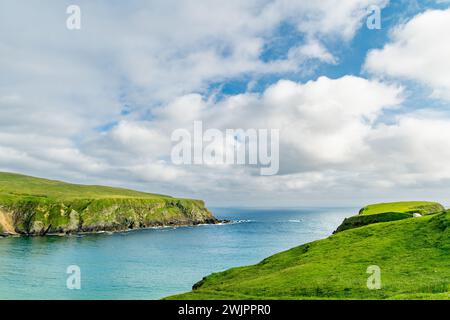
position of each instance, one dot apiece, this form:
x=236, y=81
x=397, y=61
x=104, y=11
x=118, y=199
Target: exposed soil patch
x=6, y=223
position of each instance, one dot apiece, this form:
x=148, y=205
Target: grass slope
x=422, y=207
x=35, y=206
x=385, y=212
x=16, y=185
x=413, y=254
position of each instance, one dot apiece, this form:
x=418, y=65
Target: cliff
x=34, y=206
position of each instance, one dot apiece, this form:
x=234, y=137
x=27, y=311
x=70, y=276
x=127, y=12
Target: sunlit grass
x=413, y=254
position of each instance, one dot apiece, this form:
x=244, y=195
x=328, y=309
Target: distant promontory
x=37, y=207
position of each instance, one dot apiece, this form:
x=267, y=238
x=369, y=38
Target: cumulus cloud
x=321, y=122
x=419, y=50
x=99, y=105
x=324, y=126
x=331, y=138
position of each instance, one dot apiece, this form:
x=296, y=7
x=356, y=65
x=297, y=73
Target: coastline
x=162, y=261
x=366, y=243
x=156, y=226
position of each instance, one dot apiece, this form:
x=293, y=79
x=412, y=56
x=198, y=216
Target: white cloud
x=324, y=126
x=330, y=140
x=415, y=149
x=419, y=50
x=311, y=50
x=62, y=95
x=326, y=121
x=144, y=54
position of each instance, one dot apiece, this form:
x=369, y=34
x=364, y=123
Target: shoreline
x=106, y=231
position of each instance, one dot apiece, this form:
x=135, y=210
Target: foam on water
x=153, y=263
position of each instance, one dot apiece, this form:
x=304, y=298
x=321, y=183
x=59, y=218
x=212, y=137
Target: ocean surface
x=154, y=263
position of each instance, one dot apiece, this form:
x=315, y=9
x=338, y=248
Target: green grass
x=35, y=206
x=385, y=212
x=413, y=254
x=422, y=207
x=16, y=185
x=364, y=220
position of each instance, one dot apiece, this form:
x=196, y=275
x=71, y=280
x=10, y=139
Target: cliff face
x=57, y=211
x=34, y=217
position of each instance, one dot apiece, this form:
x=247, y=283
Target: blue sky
x=351, y=56
x=362, y=114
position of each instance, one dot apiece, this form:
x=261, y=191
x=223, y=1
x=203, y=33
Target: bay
x=154, y=263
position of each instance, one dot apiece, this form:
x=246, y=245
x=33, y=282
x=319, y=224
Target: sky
x=363, y=114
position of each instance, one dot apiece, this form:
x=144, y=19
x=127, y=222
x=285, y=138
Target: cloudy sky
x=364, y=114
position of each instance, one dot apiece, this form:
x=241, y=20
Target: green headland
x=35, y=206
x=408, y=241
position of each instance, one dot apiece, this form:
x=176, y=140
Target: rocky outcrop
x=40, y=217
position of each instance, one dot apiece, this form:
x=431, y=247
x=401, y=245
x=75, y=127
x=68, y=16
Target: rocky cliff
x=33, y=206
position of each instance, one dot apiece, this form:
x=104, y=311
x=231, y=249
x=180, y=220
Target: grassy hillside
x=421, y=207
x=35, y=206
x=413, y=255
x=16, y=185
x=393, y=211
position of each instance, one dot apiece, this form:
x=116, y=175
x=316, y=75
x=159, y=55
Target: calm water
x=151, y=264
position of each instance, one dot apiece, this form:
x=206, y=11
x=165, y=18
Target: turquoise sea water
x=151, y=264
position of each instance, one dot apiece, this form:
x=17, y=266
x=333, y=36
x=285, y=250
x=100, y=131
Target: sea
x=154, y=263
